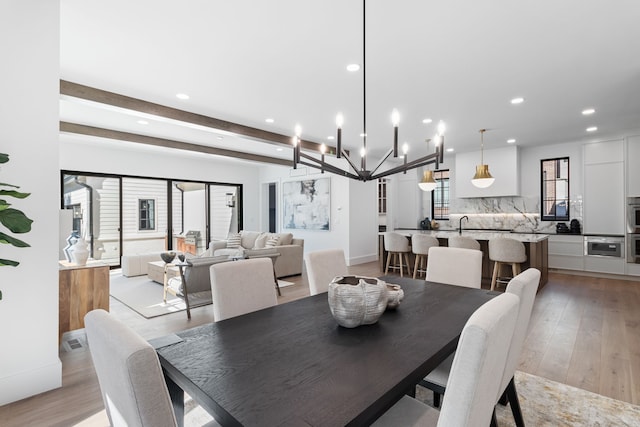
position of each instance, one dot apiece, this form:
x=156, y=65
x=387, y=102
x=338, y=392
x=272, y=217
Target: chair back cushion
x=479, y=362
x=420, y=243
x=130, y=376
x=455, y=266
x=322, y=267
x=504, y=249
x=463, y=242
x=525, y=286
x=243, y=286
x=395, y=242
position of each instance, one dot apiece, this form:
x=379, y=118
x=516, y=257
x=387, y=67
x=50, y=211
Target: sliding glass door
x=120, y=215
x=93, y=205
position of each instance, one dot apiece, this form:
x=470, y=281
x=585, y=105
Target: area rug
x=548, y=403
x=144, y=296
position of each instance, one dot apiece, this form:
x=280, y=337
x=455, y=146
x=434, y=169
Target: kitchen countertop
x=479, y=234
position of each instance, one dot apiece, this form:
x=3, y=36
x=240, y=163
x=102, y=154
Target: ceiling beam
x=166, y=143
x=110, y=98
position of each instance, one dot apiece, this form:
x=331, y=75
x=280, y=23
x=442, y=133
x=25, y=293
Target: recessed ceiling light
x=511, y=141
x=353, y=67
x=518, y=100
x=331, y=137
x=279, y=149
x=220, y=137
x=143, y=122
x=450, y=150
x=592, y=129
x=588, y=111
x=269, y=120
x=427, y=121
x=182, y=96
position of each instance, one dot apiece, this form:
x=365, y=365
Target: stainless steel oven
x=633, y=248
x=633, y=215
x=604, y=246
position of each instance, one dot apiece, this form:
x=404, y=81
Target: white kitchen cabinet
x=566, y=251
x=604, y=264
x=503, y=166
x=633, y=172
x=604, y=199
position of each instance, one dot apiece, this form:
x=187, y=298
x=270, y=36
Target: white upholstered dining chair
x=129, y=372
x=240, y=287
x=525, y=287
x=475, y=375
x=322, y=267
x=455, y=266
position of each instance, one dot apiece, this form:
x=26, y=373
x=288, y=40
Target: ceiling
x=457, y=61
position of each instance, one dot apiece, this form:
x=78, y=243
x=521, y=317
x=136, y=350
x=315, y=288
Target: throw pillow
x=286, y=238
x=233, y=241
x=261, y=241
x=272, y=242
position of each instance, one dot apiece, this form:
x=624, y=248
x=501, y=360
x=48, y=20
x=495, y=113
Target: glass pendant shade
x=427, y=183
x=482, y=178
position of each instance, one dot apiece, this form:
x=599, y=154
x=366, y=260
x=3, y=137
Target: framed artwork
x=307, y=204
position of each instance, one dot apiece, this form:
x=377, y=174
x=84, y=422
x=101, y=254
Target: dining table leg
x=177, y=400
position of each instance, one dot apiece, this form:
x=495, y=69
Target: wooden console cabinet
x=82, y=289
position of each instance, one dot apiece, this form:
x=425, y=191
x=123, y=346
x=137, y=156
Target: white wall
x=530, y=167
x=352, y=203
x=29, y=42
x=98, y=155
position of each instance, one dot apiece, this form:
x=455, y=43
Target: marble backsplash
x=520, y=214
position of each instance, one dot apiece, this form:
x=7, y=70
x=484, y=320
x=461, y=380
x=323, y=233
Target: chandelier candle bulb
x=294, y=142
x=339, y=123
x=405, y=149
x=323, y=149
x=395, y=119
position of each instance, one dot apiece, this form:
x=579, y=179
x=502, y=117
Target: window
x=382, y=196
x=440, y=199
x=147, y=210
x=554, y=174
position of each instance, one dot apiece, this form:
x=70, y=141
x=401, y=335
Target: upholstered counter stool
x=504, y=251
x=463, y=242
x=420, y=244
x=397, y=246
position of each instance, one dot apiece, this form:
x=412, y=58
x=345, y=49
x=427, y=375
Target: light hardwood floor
x=584, y=332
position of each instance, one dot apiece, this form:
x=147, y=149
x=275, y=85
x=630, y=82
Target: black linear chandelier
x=362, y=173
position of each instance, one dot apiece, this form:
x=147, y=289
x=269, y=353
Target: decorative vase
x=357, y=300
x=71, y=240
x=79, y=252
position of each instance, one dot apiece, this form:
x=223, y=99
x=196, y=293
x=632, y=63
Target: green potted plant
x=12, y=219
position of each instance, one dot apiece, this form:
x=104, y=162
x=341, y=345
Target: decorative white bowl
x=357, y=300
x=395, y=294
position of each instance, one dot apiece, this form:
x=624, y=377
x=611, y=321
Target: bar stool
x=396, y=246
x=505, y=251
x=463, y=242
x=420, y=244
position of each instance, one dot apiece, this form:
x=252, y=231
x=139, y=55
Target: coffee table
x=155, y=271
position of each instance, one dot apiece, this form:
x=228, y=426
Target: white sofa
x=254, y=243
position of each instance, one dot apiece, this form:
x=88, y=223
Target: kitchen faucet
x=460, y=228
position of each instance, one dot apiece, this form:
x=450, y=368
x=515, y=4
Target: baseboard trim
x=363, y=259
x=595, y=274
x=29, y=383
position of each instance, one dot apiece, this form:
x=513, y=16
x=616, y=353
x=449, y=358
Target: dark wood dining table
x=292, y=365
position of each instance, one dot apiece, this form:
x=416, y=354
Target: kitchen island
x=536, y=246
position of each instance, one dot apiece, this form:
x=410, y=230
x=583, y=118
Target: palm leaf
x=8, y=262
x=13, y=241
x=15, y=220
x=15, y=194
x=4, y=158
